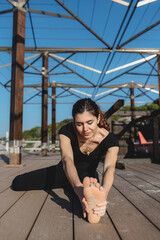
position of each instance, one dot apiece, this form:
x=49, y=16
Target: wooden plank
x=55, y=219
x=13, y=172
x=8, y=172
x=144, y=171
x=155, y=166
x=149, y=167
x=18, y=221
x=145, y=204
x=87, y=231
x=31, y=166
x=142, y=185
x=145, y=177
x=8, y=199
x=153, y=172
x=5, y=184
x=8, y=176
x=129, y=222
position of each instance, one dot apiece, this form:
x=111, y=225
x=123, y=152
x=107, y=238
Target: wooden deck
x=133, y=210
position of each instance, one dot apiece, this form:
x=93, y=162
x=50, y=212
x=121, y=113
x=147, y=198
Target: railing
x=35, y=146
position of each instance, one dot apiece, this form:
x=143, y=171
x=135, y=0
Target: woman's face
x=86, y=124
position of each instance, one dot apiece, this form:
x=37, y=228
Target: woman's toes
x=101, y=189
x=97, y=185
x=86, y=182
x=95, y=181
x=91, y=181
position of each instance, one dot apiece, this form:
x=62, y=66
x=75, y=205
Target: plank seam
x=114, y=226
x=4, y=190
x=142, y=172
x=137, y=187
x=150, y=169
x=146, y=181
x=136, y=208
x=12, y=205
x=134, y=205
x=37, y=216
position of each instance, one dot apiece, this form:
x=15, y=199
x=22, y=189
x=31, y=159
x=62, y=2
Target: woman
x=82, y=143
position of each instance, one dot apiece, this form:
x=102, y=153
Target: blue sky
x=105, y=18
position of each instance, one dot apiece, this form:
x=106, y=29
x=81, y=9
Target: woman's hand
x=79, y=191
x=100, y=209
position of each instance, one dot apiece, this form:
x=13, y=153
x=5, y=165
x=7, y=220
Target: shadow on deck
x=133, y=210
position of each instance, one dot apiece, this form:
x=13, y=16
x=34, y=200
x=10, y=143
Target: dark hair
x=86, y=104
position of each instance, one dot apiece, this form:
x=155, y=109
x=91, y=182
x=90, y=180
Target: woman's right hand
x=79, y=191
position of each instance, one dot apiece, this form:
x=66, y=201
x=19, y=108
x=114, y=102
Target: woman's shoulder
x=67, y=130
x=110, y=140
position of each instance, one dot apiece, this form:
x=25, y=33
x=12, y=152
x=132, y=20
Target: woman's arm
x=71, y=171
x=108, y=177
x=109, y=169
x=68, y=161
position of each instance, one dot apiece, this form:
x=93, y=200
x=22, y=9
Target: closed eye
x=78, y=124
x=90, y=122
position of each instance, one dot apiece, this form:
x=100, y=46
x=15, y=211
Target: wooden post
x=44, y=129
x=17, y=79
x=132, y=103
x=156, y=157
x=158, y=60
x=53, y=117
x=132, y=133
x=116, y=106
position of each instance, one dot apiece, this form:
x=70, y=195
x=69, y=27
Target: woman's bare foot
x=94, y=194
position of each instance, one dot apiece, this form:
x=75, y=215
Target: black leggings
x=46, y=178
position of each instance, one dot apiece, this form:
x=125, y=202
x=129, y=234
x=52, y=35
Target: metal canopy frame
x=72, y=89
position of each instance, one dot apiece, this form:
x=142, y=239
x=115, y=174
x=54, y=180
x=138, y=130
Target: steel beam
x=83, y=24
x=117, y=86
x=6, y=11
x=17, y=78
x=56, y=50
x=141, y=33
x=48, y=13
x=139, y=50
x=83, y=50
x=72, y=70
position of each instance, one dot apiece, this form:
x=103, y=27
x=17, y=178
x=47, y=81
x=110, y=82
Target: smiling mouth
x=86, y=134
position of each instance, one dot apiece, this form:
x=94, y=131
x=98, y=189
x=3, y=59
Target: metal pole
x=44, y=129
x=53, y=118
x=17, y=78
